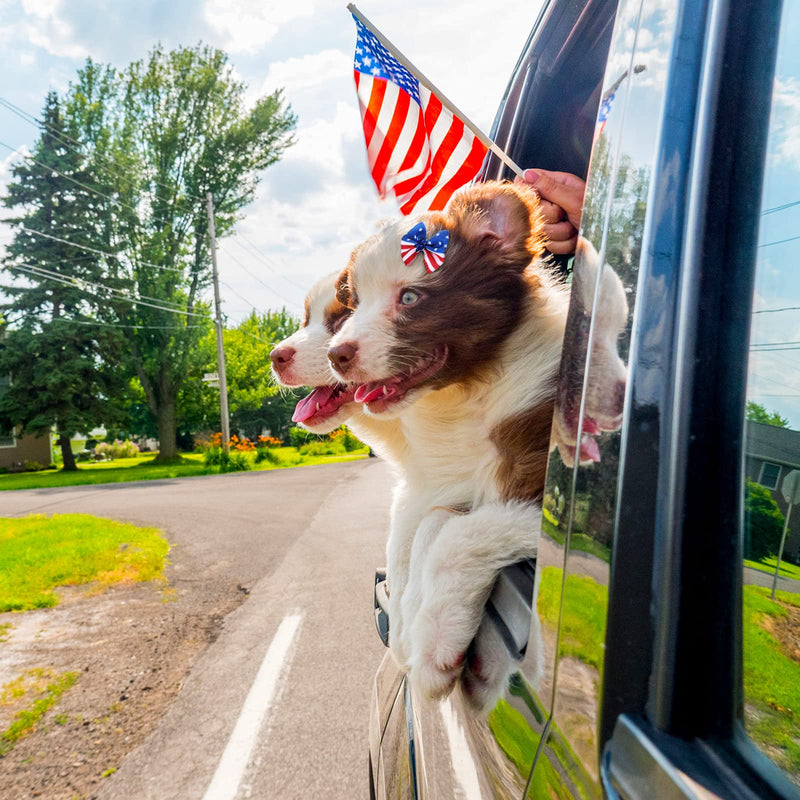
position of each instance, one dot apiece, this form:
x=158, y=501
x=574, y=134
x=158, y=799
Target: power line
x=780, y=208
x=266, y=261
x=771, y=344
x=780, y=241
x=266, y=285
x=95, y=250
x=87, y=286
x=121, y=325
x=48, y=273
x=776, y=310
x=67, y=177
x=33, y=120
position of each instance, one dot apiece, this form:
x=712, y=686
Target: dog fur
x=486, y=339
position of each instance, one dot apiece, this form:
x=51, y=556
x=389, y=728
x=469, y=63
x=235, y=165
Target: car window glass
x=580, y=492
x=771, y=597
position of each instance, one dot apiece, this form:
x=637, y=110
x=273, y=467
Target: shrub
x=212, y=456
x=116, y=449
x=763, y=522
x=267, y=454
x=299, y=436
x=331, y=447
x=348, y=438
x=237, y=461
x=34, y=466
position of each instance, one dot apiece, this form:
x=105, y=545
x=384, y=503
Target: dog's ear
x=345, y=295
x=503, y=216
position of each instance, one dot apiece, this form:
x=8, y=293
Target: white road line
x=464, y=768
x=230, y=770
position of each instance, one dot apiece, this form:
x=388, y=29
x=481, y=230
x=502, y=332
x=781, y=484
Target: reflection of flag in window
x=602, y=117
x=417, y=148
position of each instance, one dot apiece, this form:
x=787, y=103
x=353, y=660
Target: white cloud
x=45, y=27
x=308, y=71
x=247, y=26
x=785, y=121
x=323, y=141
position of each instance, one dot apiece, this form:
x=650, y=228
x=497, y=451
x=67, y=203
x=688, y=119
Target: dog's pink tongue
x=307, y=407
x=368, y=392
x=590, y=450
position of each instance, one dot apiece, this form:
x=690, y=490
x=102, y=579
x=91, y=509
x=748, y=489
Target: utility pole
x=223, y=382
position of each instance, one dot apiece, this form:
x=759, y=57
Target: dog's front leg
x=405, y=518
x=458, y=572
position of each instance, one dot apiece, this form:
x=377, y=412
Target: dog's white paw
x=439, y=638
x=487, y=668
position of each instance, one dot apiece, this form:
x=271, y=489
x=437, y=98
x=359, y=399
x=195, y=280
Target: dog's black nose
x=342, y=356
x=281, y=357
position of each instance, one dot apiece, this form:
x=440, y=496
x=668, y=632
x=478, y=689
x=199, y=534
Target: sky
x=315, y=205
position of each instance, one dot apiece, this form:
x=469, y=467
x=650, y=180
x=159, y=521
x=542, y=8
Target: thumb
x=559, y=188
x=547, y=187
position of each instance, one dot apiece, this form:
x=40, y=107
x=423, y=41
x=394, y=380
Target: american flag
x=602, y=116
x=417, y=148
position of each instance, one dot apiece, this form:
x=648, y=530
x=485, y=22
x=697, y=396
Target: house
x=771, y=453
x=16, y=450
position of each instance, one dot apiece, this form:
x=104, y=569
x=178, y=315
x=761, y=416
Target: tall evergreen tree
x=53, y=350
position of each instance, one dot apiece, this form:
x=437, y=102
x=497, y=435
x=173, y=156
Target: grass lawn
x=583, y=622
x=578, y=541
x=40, y=553
x=141, y=468
x=771, y=678
x=768, y=565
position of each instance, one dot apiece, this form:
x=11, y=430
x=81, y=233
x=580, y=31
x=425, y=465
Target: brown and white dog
x=466, y=358
x=456, y=371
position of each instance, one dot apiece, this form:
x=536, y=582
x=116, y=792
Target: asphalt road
x=304, y=543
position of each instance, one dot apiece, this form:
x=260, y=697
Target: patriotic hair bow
x=415, y=241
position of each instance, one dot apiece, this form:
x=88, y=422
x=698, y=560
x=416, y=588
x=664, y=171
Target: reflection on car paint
x=580, y=492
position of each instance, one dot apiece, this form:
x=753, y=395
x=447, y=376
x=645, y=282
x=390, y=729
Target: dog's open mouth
x=589, y=449
x=382, y=394
x=322, y=404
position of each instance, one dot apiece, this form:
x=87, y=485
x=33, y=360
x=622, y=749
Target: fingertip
x=531, y=176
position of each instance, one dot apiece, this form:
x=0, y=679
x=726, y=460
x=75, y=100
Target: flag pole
x=480, y=135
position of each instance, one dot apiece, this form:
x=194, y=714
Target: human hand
x=561, y=200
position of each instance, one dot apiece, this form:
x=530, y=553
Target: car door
x=675, y=703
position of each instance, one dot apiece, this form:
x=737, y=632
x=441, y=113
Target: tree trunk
x=66, y=453
x=166, y=420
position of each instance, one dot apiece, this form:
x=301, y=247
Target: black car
x=670, y=664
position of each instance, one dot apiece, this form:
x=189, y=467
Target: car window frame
x=673, y=697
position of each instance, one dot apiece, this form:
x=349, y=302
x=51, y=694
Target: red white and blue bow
x=415, y=241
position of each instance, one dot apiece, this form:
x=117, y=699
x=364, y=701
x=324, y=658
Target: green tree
x=763, y=522
x=255, y=402
x=757, y=413
x=170, y=129
x=55, y=349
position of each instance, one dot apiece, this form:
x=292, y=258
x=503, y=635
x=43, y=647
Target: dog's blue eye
x=408, y=298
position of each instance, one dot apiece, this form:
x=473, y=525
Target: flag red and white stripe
x=420, y=148
x=420, y=152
